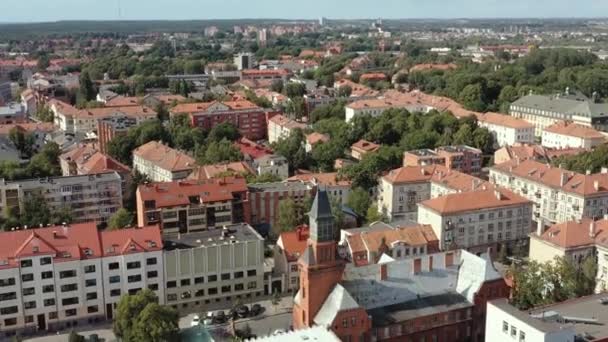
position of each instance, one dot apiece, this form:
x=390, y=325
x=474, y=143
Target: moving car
x=195, y=321
x=256, y=309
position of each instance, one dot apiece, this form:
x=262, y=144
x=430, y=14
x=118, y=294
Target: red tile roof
x=365, y=146
x=574, y=130
x=70, y=242
x=295, y=242
x=475, y=200
x=316, y=137
x=568, y=181
x=101, y=163
x=170, y=194
x=131, y=240
x=325, y=179
x=220, y=170
x=198, y=107
x=252, y=149
x=165, y=157
x=504, y=120
x=123, y=101
x=414, y=174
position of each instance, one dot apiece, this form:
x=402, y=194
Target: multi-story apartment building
x=267, y=74
x=189, y=206
x=382, y=242
x=507, y=130
x=81, y=121
x=244, y=60
x=52, y=278
x=477, y=220
x=337, y=189
x=543, y=111
x=162, y=163
x=375, y=107
x=565, y=134
x=94, y=197
x=248, y=118
x=558, y=195
x=265, y=199
x=215, y=266
x=401, y=189
x=85, y=160
x=110, y=127
x=460, y=158
x=280, y=127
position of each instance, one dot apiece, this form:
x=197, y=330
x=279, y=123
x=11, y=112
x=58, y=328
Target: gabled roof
x=220, y=170
x=574, y=130
x=413, y=174
x=574, y=234
x=473, y=272
x=338, y=300
x=131, y=240
x=474, y=200
x=324, y=179
x=165, y=157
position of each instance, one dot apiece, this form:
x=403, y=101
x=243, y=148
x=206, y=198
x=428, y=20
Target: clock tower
x=320, y=268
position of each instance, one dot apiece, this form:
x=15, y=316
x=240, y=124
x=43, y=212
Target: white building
x=506, y=129
x=558, y=195
x=375, y=107
x=566, y=134
x=477, y=220
x=214, y=266
x=54, y=277
x=162, y=163
x=244, y=60
x=273, y=164
x=505, y=323
x=336, y=188
x=280, y=127
x=94, y=197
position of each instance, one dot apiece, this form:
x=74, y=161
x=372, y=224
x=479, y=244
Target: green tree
x=373, y=215
x=44, y=113
x=294, y=90
x=345, y=91
x=223, y=131
x=293, y=149
x=289, y=217
x=139, y=317
x=24, y=142
x=218, y=152
x=325, y=154
x=277, y=86
x=87, y=90
x=43, y=62
x=121, y=219
x=359, y=201
x=471, y=97
x=263, y=178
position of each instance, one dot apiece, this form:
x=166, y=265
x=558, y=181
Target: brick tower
x=320, y=269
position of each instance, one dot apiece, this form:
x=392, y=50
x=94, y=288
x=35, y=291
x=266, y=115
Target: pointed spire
x=321, y=208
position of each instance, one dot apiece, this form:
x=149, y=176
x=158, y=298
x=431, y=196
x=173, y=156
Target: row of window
x=171, y=297
x=210, y=279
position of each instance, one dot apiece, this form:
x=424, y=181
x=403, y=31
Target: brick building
x=461, y=158
x=190, y=206
x=438, y=297
x=248, y=118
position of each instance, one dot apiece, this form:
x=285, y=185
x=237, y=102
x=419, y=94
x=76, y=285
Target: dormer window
x=151, y=244
x=132, y=246
x=88, y=252
x=35, y=249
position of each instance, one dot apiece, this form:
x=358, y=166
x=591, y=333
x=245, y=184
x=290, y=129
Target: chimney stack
x=540, y=227
x=592, y=229
x=563, y=178
x=383, y=272
x=604, y=170
x=587, y=172
x=498, y=195
x=596, y=185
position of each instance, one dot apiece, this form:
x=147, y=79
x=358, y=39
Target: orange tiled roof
x=574, y=130
x=170, y=194
x=475, y=200
x=413, y=174
x=214, y=170
x=411, y=235
x=317, y=137
x=123, y=101
x=459, y=181
x=433, y=66
x=327, y=179
x=165, y=157
x=295, y=242
x=568, y=181
x=504, y=120
x=286, y=122
x=574, y=233
x=198, y=107
x=365, y=146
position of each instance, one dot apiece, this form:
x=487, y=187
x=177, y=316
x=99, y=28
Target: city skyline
x=234, y=9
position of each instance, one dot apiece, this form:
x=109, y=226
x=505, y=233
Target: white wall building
x=506, y=129
x=570, y=135
x=280, y=127
x=477, y=220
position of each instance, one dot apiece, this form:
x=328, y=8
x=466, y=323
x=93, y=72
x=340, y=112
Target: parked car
x=219, y=317
x=208, y=318
x=242, y=311
x=195, y=321
x=256, y=309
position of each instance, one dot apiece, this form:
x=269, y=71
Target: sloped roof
x=475, y=200
x=321, y=207
x=574, y=234
x=473, y=272
x=164, y=156
x=574, y=130
x=338, y=300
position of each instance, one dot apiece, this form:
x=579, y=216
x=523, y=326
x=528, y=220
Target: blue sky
x=50, y=10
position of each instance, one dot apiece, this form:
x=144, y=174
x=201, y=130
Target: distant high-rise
x=322, y=21
x=263, y=36
x=244, y=60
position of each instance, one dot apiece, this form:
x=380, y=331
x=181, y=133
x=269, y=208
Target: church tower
x=320, y=269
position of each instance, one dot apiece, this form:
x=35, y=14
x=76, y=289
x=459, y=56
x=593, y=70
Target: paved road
x=273, y=318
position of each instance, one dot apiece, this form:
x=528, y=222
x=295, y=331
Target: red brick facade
x=250, y=123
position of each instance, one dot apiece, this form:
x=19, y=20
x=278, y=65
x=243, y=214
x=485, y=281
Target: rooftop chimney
x=587, y=172
x=383, y=272
x=596, y=185
x=498, y=195
x=563, y=178
x=592, y=229
x=540, y=227
x=604, y=170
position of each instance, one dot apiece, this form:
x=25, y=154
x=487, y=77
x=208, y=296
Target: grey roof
x=62, y=180
x=338, y=300
x=321, y=208
x=572, y=105
x=237, y=232
x=11, y=109
x=313, y=334
x=523, y=316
